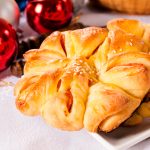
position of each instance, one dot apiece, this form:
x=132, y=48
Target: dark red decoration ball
x=47, y=15
x=8, y=44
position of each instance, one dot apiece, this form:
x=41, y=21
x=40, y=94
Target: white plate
x=124, y=137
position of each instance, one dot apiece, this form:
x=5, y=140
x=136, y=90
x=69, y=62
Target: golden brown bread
x=93, y=78
x=107, y=107
x=139, y=115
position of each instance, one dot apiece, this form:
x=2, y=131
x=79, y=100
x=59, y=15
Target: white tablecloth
x=19, y=132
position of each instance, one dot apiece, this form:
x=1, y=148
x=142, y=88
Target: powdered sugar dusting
x=81, y=66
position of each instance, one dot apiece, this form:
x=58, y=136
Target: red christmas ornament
x=47, y=15
x=8, y=44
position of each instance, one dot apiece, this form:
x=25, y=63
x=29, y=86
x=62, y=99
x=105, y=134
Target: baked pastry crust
x=93, y=78
x=128, y=6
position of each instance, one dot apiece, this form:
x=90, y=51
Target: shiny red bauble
x=8, y=44
x=48, y=15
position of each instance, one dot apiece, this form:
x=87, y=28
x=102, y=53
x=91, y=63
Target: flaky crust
x=93, y=78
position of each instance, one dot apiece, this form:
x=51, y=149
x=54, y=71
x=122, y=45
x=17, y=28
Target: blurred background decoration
x=8, y=44
x=22, y=4
x=47, y=15
x=9, y=10
x=77, y=5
